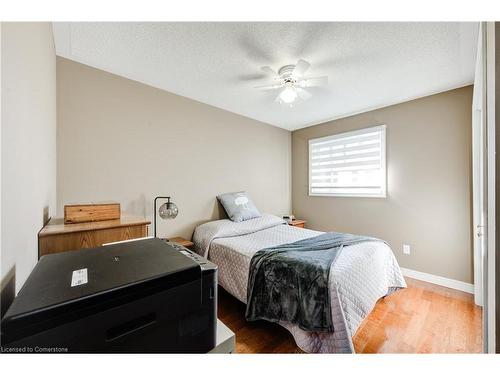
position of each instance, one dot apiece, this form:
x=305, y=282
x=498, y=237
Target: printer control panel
x=203, y=262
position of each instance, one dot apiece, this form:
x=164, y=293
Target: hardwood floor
x=424, y=318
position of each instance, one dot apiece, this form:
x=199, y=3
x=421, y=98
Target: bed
x=361, y=275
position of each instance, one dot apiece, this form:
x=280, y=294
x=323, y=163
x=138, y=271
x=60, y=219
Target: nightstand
x=297, y=223
x=182, y=241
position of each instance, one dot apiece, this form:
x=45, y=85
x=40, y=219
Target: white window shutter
x=349, y=164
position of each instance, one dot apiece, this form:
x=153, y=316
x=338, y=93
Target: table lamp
x=167, y=210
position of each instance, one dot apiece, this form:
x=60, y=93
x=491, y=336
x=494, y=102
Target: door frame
x=479, y=172
x=489, y=311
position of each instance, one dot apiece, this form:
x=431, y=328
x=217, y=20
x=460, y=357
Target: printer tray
x=165, y=322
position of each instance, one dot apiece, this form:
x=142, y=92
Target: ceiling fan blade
x=268, y=70
x=300, y=68
x=269, y=86
x=314, y=81
x=303, y=94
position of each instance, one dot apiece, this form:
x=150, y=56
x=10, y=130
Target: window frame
x=383, y=152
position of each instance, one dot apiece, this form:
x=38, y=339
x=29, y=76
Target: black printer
x=144, y=296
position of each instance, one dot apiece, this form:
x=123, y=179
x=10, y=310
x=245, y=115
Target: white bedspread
x=361, y=275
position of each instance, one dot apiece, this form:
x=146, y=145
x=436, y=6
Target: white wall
x=28, y=143
x=1, y=127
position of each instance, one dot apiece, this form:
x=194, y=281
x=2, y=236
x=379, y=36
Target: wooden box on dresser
x=56, y=237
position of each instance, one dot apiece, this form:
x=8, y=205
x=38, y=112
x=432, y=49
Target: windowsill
x=348, y=195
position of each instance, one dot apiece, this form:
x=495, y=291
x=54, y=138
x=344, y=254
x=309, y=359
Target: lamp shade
x=168, y=210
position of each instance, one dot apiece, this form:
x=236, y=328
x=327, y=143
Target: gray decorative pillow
x=238, y=206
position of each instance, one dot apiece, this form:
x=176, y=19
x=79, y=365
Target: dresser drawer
x=56, y=237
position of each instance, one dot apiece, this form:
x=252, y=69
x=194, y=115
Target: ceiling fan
x=292, y=82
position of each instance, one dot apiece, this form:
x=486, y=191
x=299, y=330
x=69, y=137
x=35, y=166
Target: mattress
x=361, y=275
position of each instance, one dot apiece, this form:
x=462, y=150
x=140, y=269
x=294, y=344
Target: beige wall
x=121, y=140
x=28, y=143
x=125, y=141
x=429, y=184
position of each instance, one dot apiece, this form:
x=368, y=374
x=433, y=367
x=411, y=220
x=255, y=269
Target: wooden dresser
x=56, y=237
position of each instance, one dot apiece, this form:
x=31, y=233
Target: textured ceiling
x=369, y=65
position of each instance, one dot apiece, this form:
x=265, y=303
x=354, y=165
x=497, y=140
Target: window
x=350, y=164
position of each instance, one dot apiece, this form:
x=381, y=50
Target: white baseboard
x=439, y=280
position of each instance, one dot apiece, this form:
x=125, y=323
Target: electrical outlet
x=406, y=249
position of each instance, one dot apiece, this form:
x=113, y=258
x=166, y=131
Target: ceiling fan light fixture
x=288, y=95
x=291, y=81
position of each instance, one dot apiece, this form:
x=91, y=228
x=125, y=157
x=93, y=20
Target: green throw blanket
x=289, y=283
